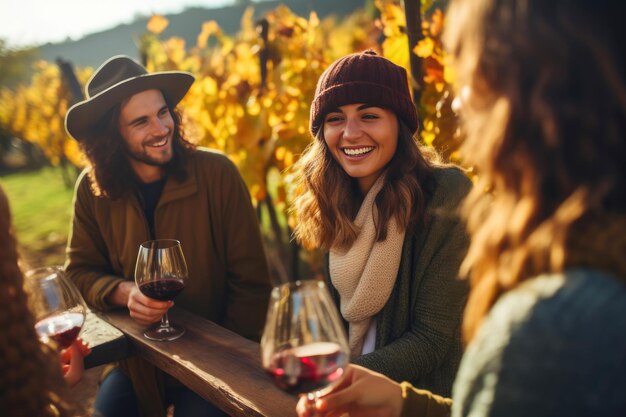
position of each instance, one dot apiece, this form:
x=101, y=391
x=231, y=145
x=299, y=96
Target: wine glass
x=56, y=304
x=161, y=273
x=304, y=347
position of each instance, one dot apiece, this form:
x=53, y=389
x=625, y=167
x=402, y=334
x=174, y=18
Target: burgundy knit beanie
x=367, y=78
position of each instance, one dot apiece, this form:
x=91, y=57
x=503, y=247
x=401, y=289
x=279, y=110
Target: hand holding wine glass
x=72, y=364
x=160, y=274
x=360, y=392
x=57, y=306
x=304, y=347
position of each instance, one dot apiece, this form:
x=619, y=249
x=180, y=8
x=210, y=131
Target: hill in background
x=95, y=48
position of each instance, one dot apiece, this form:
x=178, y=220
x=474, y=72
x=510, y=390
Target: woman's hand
x=361, y=393
x=72, y=361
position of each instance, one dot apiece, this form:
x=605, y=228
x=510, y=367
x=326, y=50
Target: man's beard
x=146, y=159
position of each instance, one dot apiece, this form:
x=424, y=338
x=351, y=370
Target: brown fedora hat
x=117, y=79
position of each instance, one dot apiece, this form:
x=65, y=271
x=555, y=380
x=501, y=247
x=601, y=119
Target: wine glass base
x=162, y=334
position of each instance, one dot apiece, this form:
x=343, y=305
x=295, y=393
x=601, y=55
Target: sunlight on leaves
x=157, y=24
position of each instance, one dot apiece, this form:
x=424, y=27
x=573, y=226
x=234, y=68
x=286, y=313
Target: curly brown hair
x=110, y=169
x=545, y=122
x=327, y=199
x=30, y=377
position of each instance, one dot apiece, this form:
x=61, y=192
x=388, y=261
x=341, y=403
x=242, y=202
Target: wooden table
x=107, y=343
x=219, y=365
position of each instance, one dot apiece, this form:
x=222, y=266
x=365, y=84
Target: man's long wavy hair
x=545, y=122
x=30, y=373
x=327, y=199
x=110, y=171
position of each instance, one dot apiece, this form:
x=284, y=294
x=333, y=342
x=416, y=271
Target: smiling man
x=145, y=181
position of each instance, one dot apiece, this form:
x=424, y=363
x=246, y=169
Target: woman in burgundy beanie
x=385, y=209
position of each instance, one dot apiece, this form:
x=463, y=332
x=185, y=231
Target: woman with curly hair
x=543, y=95
x=31, y=383
x=384, y=208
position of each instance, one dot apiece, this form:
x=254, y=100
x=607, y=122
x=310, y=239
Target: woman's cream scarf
x=365, y=273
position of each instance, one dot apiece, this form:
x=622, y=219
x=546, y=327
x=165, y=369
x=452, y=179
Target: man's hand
x=146, y=310
x=119, y=296
x=143, y=309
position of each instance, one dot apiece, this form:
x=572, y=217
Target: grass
x=41, y=205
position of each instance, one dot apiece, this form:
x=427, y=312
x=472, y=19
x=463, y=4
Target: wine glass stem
x=165, y=322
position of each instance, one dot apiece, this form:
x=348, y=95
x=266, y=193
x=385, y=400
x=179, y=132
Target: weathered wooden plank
x=221, y=366
x=107, y=343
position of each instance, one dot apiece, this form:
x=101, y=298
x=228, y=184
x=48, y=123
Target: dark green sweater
x=418, y=330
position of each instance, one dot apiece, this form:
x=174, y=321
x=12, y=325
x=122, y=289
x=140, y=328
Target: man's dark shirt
x=149, y=195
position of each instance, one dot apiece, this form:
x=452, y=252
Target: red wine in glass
x=307, y=368
x=304, y=347
x=164, y=289
x=56, y=304
x=161, y=273
x=62, y=328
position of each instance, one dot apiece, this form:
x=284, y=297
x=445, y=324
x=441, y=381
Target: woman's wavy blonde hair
x=544, y=100
x=327, y=199
x=30, y=377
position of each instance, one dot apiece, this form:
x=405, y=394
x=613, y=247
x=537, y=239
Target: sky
x=35, y=22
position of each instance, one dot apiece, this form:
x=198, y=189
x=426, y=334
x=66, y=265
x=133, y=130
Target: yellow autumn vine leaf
x=210, y=28
x=157, y=24
x=396, y=49
x=424, y=48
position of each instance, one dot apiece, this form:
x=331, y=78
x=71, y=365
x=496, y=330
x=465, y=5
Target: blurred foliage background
x=250, y=100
